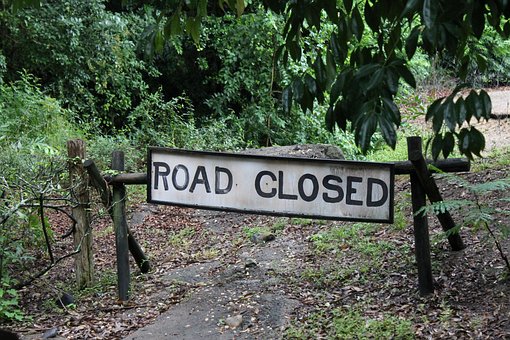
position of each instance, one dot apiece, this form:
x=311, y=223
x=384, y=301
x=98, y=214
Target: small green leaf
x=432, y=109
x=392, y=108
x=450, y=114
x=365, y=129
x=294, y=49
x=375, y=79
x=297, y=89
x=159, y=41
x=477, y=141
x=240, y=6
x=340, y=115
x=438, y=119
x=461, y=113
x=193, y=26
x=330, y=119
x=411, y=6
x=372, y=17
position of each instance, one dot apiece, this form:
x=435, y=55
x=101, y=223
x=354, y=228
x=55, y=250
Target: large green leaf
x=357, y=24
x=412, y=42
x=366, y=126
x=388, y=131
x=406, y=74
x=486, y=104
x=448, y=144
x=430, y=11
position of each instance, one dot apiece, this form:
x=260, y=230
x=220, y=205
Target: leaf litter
x=376, y=279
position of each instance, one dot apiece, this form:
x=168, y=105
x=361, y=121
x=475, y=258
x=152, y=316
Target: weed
x=251, y=232
x=182, y=239
x=279, y=225
x=350, y=324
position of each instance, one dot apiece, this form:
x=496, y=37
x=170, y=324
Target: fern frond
x=478, y=219
x=444, y=206
x=498, y=185
x=453, y=178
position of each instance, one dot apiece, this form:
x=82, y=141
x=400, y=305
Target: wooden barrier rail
x=422, y=186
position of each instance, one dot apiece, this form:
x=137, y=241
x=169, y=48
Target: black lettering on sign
x=158, y=173
x=370, y=189
x=351, y=190
x=200, y=178
x=217, y=189
x=258, y=179
x=327, y=183
x=186, y=177
x=315, y=187
x=281, y=194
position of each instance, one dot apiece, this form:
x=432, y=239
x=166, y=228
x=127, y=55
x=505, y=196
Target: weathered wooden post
x=121, y=229
x=421, y=228
x=82, y=235
x=97, y=181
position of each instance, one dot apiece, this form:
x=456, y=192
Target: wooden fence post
x=82, y=235
x=121, y=229
x=421, y=229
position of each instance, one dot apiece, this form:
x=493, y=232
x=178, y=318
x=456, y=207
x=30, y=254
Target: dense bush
x=28, y=117
x=495, y=51
x=83, y=55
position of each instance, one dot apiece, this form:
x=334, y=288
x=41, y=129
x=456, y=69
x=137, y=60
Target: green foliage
x=351, y=324
x=83, y=54
x=9, y=301
x=494, y=54
x=27, y=116
x=357, y=237
x=3, y=67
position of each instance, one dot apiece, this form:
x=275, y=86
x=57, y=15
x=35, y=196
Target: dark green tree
x=359, y=80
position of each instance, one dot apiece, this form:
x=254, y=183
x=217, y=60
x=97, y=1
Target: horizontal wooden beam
x=132, y=178
x=445, y=165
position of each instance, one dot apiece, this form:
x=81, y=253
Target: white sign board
x=315, y=188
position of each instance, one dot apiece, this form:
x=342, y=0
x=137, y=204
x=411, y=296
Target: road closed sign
x=299, y=187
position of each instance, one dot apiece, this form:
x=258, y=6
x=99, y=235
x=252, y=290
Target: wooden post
x=431, y=190
x=121, y=229
x=98, y=182
x=82, y=234
x=421, y=229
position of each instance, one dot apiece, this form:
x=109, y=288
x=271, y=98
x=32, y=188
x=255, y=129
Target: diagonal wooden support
x=429, y=185
x=98, y=182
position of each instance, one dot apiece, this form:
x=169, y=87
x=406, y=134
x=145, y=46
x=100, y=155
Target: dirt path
x=238, y=300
